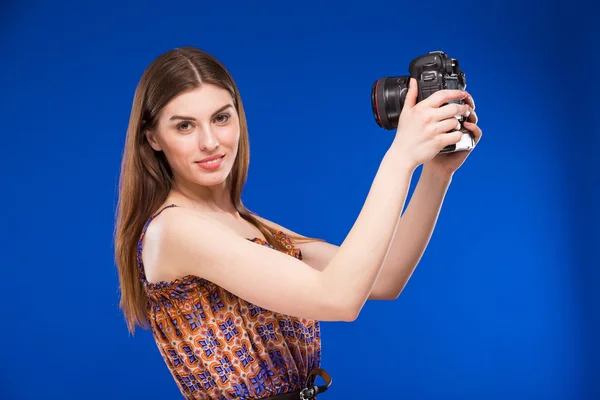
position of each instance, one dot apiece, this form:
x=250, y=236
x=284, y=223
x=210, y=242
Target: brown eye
x=184, y=126
x=222, y=118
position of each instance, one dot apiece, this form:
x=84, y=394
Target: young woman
x=234, y=300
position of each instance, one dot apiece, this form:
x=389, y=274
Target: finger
x=412, y=94
x=474, y=129
x=469, y=100
x=473, y=117
x=443, y=96
x=446, y=139
x=451, y=110
x=447, y=125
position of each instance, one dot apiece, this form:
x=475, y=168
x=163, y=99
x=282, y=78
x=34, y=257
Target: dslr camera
x=433, y=71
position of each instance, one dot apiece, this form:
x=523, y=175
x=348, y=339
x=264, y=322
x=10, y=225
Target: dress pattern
x=219, y=346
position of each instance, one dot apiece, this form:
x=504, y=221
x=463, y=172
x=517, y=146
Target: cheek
x=233, y=136
x=179, y=152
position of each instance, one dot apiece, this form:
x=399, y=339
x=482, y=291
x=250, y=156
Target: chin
x=211, y=182
x=217, y=178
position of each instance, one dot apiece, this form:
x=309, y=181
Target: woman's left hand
x=445, y=164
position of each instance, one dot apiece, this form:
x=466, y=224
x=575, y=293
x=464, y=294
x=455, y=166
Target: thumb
x=412, y=94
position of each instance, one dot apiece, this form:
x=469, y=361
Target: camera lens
x=387, y=100
x=376, y=103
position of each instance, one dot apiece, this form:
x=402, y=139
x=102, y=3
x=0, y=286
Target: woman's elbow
x=338, y=311
x=348, y=311
x=351, y=315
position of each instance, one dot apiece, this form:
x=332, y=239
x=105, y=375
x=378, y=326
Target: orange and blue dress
x=219, y=346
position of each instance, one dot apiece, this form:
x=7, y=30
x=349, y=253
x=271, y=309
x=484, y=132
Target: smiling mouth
x=211, y=160
x=211, y=163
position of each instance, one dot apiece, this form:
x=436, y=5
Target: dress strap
x=140, y=264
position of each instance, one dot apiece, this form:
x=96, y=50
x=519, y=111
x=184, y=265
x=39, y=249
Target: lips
x=212, y=163
x=211, y=158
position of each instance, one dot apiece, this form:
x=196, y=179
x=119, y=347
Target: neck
x=204, y=198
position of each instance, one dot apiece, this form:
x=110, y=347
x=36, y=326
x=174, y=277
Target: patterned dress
x=219, y=346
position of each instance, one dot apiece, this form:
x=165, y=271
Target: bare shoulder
x=157, y=245
x=317, y=254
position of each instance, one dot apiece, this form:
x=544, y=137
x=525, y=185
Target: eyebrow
x=225, y=107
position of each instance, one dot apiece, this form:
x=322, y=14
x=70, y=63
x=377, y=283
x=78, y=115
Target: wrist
x=400, y=160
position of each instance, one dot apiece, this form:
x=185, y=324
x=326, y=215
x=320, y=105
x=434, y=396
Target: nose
x=209, y=141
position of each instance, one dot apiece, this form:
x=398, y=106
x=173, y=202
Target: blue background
x=504, y=303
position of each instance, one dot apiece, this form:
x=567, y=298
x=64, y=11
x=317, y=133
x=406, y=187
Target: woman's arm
x=415, y=228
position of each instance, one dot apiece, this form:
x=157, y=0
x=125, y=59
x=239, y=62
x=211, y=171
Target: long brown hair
x=146, y=178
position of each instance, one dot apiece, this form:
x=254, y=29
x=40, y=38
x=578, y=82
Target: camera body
x=433, y=71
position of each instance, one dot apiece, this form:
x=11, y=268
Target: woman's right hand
x=423, y=127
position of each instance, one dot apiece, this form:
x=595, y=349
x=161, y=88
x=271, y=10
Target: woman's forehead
x=200, y=102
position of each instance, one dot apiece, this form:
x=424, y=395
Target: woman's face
x=199, y=132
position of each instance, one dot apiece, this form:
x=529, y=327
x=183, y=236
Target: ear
x=152, y=140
